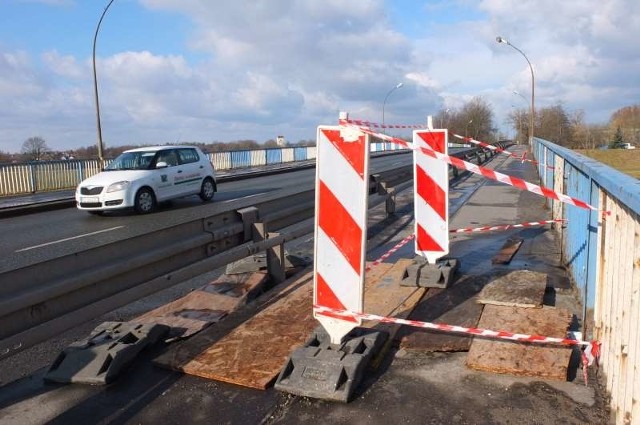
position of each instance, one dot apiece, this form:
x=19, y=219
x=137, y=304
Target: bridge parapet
x=601, y=249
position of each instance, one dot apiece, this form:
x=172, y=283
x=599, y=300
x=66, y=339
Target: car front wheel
x=207, y=190
x=145, y=201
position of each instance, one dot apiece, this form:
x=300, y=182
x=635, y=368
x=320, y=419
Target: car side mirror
x=162, y=164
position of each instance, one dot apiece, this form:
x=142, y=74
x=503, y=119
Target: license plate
x=90, y=199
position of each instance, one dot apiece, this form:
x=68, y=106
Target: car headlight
x=118, y=186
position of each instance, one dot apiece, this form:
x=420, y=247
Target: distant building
x=281, y=142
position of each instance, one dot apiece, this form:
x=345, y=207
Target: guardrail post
x=275, y=255
x=249, y=216
x=390, y=201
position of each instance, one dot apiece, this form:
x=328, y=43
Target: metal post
x=532, y=117
x=95, y=87
x=397, y=86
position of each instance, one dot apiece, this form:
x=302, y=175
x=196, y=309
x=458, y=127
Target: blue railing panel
x=240, y=159
x=577, y=185
x=300, y=154
x=274, y=156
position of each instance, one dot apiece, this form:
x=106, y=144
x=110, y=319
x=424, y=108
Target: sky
x=204, y=71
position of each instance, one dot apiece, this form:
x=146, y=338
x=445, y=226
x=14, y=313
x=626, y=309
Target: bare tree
x=552, y=123
x=34, y=148
x=519, y=119
x=628, y=120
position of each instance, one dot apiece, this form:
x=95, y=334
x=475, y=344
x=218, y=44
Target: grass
x=624, y=160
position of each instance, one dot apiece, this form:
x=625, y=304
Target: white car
x=140, y=178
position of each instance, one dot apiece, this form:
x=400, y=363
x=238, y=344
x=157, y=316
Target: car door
x=165, y=178
x=191, y=172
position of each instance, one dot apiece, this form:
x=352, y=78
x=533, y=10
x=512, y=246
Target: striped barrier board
x=431, y=188
x=342, y=190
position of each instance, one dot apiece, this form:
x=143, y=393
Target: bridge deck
x=411, y=386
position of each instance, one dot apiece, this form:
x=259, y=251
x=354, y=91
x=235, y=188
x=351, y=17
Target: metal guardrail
x=602, y=253
x=44, y=299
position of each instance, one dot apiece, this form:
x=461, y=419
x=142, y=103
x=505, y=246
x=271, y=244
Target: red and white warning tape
x=506, y=226
x=453, y=328
x=486, y=172
x=522, y=158
x=465, y=230
x=391, y=251
x=589, y=355
x=362, y=123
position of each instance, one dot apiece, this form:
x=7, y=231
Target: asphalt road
x=34, y=238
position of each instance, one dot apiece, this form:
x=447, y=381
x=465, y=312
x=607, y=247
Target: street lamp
x=95, y=86
x=523, y=98
x=531, y=118
x=466, y=128
x=397, y=86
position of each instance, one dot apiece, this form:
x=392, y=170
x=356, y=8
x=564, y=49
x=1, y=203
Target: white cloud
x=258, y=69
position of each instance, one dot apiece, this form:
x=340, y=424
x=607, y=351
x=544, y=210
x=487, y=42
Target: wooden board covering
x=519, y=288
x=507, y=252
x=546, y=361
x=455, y=305
x=252, y=354
x=205, y=305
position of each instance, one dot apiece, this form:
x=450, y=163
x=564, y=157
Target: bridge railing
x=602, y=253
x=42, y=176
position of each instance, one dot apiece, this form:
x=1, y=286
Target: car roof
x=158, y=148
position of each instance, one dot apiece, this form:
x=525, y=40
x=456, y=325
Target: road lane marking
x=69, y=239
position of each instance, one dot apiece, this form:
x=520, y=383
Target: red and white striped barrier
x=589, y=355
x=342, y=190
x=431, y=189
x=488, y=173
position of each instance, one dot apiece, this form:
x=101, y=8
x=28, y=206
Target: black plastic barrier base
x=425, y=275
x=328, y=371
x=100, y=358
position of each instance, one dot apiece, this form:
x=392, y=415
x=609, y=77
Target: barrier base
x=425, y=275
x=328, y=371
x=110, y=348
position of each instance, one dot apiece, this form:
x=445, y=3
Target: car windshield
x=139, y=160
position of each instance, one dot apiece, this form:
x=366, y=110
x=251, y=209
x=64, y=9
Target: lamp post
x=466, y=129
x=531, y=118
x=525, y=102
x=397, y=86
x=444, y=114
x=95, y=86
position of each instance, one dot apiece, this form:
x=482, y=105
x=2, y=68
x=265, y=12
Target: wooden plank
x=251, y=354
x=519, y=288
x=385, y=297
x=507, y=252
x=206, y=305
x=548, y=361
x=383, y=292
x=455, y=305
